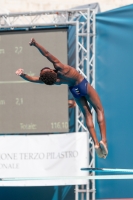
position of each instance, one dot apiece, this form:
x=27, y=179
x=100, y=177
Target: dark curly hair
x=48, y=77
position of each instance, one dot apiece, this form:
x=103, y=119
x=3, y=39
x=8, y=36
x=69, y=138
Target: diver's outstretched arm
x=57, y=64
x=20, y=72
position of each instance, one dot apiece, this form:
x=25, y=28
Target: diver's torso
x=68, y=75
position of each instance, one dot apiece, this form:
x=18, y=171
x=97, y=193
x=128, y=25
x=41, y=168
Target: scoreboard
x=30, y=107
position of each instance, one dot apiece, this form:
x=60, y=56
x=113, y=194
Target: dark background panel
x=37, y=193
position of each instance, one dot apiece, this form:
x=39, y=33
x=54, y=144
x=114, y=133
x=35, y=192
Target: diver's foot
x=104, y=148
x=99, y=152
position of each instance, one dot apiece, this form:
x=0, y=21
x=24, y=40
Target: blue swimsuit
x=80, y=89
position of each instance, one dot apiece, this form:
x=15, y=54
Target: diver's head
x=48, y=76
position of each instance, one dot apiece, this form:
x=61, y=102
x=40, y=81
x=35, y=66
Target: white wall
x=40, y=5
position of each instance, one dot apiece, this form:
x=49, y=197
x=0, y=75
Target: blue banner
x=114, y=84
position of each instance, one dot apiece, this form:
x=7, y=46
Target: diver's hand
x=32, y=42
x=71, y=103
x=20, y=72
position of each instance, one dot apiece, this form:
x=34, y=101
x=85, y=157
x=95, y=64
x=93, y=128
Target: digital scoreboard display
x=30, y=107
